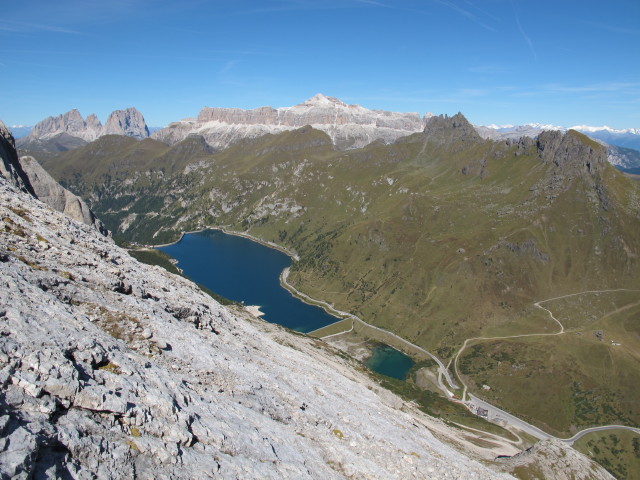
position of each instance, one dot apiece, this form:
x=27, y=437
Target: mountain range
x=348, y=126
x=628, y=138
x=115, y=369
x=446, y=239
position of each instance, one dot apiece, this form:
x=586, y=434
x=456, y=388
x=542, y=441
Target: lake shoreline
x=266, y=243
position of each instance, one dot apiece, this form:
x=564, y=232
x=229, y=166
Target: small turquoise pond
x=388, y=361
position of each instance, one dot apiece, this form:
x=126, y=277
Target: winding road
x=442, y=370
x=495, y=414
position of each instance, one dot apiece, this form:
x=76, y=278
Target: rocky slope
x=10, y=167
x=551, y=459
x=349, y=126
x=69, y=130
x=26, y=174
x=113, y=369
x=47, y=190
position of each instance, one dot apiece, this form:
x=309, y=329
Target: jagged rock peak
x=49, y=191
x=572, y=150
x=444, y=129
x=71, y=123
x=10, y=167
x=93, y=122
x=129, y=122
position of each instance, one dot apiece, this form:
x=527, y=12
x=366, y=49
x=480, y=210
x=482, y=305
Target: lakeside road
x=494, y=414
x=442, y=370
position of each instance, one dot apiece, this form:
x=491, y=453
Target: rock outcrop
x=445, y=130
x=70, y=123
x=113, y=369
x=612, y=140
x=553, y=459
x=349, y=126
x=70, y=130
x=10, y=167
x=129, y=122
x=572, y=152
x=49, y=191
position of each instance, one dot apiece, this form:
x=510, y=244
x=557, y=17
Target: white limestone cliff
x=349, y=126
x=49, y=191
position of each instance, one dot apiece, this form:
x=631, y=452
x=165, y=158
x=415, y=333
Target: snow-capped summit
x=588, y=128
x=627, y=138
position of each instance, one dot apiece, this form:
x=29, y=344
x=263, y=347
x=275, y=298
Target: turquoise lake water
x=390, y=362
x=246, y=271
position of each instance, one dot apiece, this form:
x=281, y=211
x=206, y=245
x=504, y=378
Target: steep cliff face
x=129, y=122
x=47, y=190
x=10, y=167
x=114, y=369
x=26, y=174
x=71, y=123
x=349, y=126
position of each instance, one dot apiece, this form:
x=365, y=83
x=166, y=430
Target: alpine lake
x=248, y=272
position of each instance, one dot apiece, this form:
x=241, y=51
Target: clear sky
x=560, y=62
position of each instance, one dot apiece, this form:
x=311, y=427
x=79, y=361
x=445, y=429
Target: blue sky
x=561, y=62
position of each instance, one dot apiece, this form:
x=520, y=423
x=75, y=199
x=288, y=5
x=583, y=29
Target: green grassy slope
x=618, y=452
x=439, y=237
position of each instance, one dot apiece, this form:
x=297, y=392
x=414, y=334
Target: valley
x=442, y=238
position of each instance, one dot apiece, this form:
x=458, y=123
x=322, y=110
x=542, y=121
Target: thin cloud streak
x=465, y=13
x=615, y=87
x=526, y=38
x=614, y=28
x=21, y=27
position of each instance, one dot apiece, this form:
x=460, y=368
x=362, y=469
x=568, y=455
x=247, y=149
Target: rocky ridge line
x=70, y=130
x=47, y=190
x=349, y=126
x=26, y=174
x=621, y=155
